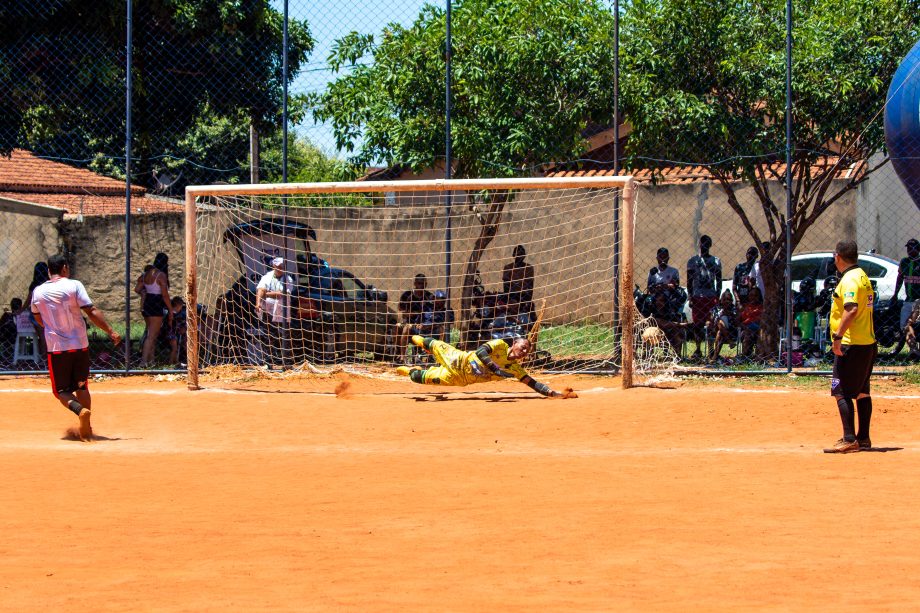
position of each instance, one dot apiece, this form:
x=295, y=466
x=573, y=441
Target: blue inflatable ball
x=902, y=123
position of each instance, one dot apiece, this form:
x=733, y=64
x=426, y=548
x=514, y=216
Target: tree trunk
x=490, y=221
x=774, y=296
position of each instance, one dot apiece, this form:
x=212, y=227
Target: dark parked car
x=334, y=315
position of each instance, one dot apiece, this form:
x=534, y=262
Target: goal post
x=377, y=236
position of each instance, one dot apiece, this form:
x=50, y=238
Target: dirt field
x=485, y=499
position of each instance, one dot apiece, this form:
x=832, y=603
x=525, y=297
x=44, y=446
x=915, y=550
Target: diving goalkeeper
x=493, y=361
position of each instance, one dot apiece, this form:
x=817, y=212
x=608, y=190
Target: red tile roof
x=28, y=178
x=88, y=204
x=672, y=175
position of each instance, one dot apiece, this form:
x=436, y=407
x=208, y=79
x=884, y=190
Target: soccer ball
x=652, y=335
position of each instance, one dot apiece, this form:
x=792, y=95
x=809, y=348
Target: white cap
x=277, y=262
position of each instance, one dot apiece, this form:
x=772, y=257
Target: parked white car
x=881, y=270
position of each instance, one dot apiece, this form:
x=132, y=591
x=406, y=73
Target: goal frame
x=626, y=219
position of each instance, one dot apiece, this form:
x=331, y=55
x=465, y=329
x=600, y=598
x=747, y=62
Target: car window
x=872, y=269
x=814, y=267
x=350, y=287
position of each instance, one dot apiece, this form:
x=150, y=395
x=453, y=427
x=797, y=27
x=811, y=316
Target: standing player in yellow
x=854, y=348
x=493, y=361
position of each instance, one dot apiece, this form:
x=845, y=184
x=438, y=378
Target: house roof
x=683, y=174
x=28, y=178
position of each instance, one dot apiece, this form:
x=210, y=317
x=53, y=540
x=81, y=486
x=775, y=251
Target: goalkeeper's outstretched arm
x=484, y=355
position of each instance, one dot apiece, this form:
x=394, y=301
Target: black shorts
x=69, y=371
x=154, y=306
x=852, y=370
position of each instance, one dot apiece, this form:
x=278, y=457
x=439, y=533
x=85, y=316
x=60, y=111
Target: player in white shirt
x=271, y=294
x=58, y=305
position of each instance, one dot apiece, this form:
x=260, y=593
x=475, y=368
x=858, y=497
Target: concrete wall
x=569, y=242
x=29, y=234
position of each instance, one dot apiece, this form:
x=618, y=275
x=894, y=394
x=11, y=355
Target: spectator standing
x=272, y=291
x=517, y=284
x=412, y=306
x=742, y=279
x=58, y=305
x=704, y=285
x=854, y=348
x=177, y=331
x=153, y=287
x=39, y=276
x=909, y=277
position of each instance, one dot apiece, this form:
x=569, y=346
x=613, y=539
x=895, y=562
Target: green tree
x=528, y=77
x=195, y=62
x=704, y=83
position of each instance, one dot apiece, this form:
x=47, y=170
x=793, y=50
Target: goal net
x=292, y=278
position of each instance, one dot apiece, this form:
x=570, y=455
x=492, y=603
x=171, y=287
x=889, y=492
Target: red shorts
x=701, y=307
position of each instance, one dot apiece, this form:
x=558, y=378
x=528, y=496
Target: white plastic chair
x=26, y=347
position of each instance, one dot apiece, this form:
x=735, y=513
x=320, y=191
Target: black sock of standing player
x=75, y=406
x=847, y=417
x=864, y=408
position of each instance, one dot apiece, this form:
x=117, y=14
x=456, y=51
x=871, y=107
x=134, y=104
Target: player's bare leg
x=79, y=403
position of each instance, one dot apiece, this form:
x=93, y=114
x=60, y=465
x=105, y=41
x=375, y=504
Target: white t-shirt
x=59, y=302
x=273, y=307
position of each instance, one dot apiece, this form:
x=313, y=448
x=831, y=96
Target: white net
x=309, y=282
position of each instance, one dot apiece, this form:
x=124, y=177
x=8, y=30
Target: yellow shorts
x=455, y=367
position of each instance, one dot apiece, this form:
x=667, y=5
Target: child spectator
x=750, y=316
x=723, y=324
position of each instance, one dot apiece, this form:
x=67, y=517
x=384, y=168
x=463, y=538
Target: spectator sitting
x=412, y=304
x=440, y=317
x=723, y=325
x=517, y=284
x=668, y=319
x=177, y=330
x=912, y=331
x=749, y=317
x=662, y=278
x=8, y=328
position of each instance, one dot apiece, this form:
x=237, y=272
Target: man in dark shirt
x=704, y=285
x=909, y=276
x=743, y=278
x=412, y=306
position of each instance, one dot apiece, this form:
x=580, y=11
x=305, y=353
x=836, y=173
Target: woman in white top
x=153, y=287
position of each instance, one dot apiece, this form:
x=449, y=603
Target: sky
x=328, y=21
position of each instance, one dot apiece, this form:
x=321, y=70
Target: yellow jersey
x=854, y=287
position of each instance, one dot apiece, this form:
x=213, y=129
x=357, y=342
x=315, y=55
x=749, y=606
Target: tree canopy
x=195, y=61
x=528, y=76
x=705, y=83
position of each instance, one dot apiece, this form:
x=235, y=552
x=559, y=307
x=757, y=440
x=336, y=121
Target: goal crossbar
x=626, y=217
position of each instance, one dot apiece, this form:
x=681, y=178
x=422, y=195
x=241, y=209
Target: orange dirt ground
x=394, y=497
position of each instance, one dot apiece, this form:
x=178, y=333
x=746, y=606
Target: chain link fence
x=744, y=188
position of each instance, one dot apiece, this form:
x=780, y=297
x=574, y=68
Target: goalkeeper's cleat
x=843, y=446
x=418, y=340
x=405, y=371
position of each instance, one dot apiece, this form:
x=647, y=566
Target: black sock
x=847, y=417
x=864, y=408
x=417, y=376
x=427, y=342
x=75, y=406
